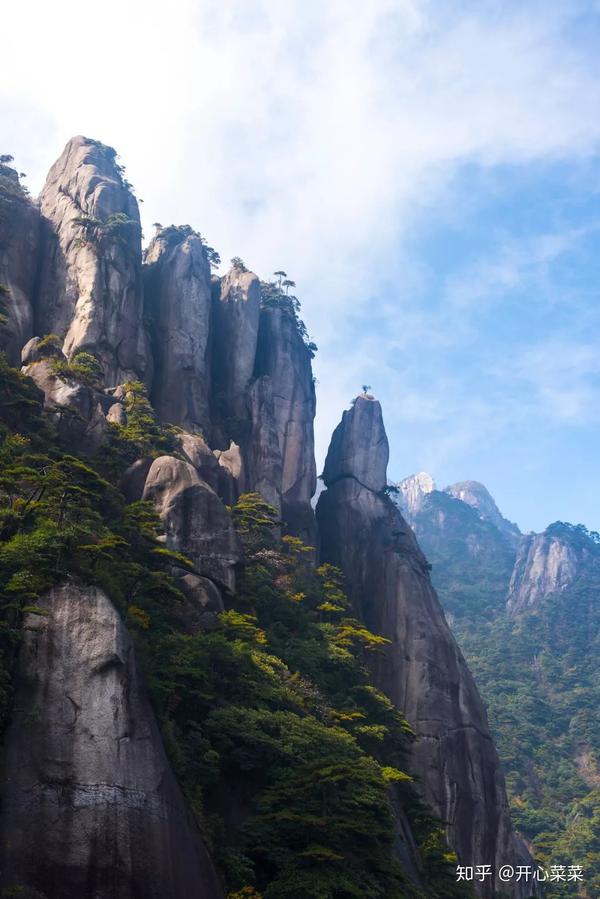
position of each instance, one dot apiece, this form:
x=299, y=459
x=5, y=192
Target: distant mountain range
x=526, y=612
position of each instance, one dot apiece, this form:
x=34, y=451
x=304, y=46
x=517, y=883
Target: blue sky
x=426, y=170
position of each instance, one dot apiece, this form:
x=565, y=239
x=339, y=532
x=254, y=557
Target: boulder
x=195, y=520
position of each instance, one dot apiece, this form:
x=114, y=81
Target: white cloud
x=315, y=137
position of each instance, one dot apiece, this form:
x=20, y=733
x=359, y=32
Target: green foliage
x=84, y=368
x=142, y=435
x=275, y=708
x=538, y=674
x=274, y=297
x=118, y=229
x=176, y=234
x=289, y=758
x=50, y=344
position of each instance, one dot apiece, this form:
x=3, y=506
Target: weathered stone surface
x=422, y=669
x=359, y=446
x=177, y=285
x=134, y=479
x=196, y=522
x=90, y=291
x=411, y=492
x=231, y=460
x=479, y=498
x=35, y=350
x=283, y=358
x=80, y=413
x=236, y=307
x=198, y=453
x=90, y=805
x=548, y=563
x=203, y=602
x=19, y=236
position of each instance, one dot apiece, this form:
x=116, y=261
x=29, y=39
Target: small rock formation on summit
x=19, y=236
x=422, y=670
x=90, y=287
x=177, y=287
x=90, y=804
x=549, y=563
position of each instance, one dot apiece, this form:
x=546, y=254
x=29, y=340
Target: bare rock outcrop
x=479, y=498
x=90, y=290
x=19, y=236
x=549, y=563
x=359, y=446
x=91, y=807
x=81, y=414
x=411, y=492
x=236, y=308
x=196, y=522
x=177, y=286
x=284, y=362
x=422, y=670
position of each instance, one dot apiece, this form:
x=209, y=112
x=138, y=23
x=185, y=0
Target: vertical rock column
x=90, y=290
x=19, y=234
x=422, y=670
x=178, y=298
x=284, y=363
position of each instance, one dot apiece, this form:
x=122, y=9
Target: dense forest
x=271, y=705
x=539, y=673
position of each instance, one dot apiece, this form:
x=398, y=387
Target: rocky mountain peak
x=411, y=491
x=476, y=495
x=90, y=291
x=88, y=174
x=359, y=446
x=549, y=563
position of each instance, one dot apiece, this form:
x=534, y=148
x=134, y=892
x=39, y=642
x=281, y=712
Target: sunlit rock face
x=90, y=286
x=549, y=563
x=422, y=669
x=411, y=492
x=479, y=498
x=178, y=300
x=90, y=804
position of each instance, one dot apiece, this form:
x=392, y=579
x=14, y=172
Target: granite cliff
x=422, y=671
x=170, y=395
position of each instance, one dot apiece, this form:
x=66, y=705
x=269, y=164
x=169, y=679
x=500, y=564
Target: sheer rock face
x=236, y=307
x=283, y=359
x=19, y=236
x=548, y=563
x=91, y=807
x=196, y=522
x=90, y=291
x=411, y=492
x=479, y=498
x=422, y=670
x=178, y=297
x=264, y=400
x=359, y=447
